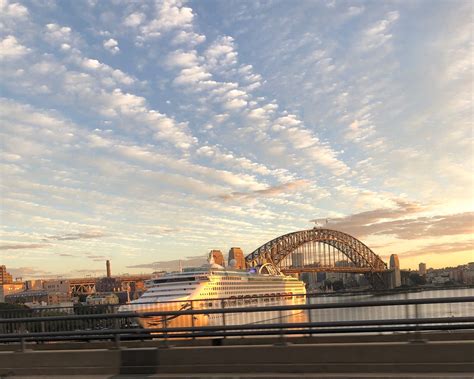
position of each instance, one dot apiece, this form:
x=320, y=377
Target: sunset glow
x=151, y=132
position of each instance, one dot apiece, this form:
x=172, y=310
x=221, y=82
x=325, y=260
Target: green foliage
x=417, y=279
x=338, y=285
x=12, y=307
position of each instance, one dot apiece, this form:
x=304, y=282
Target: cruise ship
x=213, y=286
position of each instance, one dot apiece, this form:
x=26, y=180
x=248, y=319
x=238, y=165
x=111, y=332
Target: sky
x=151, y=132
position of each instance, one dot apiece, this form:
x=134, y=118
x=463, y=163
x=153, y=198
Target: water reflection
x=394, y=311
x=328, y=315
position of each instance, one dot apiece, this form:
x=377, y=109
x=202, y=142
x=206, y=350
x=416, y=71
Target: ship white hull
x=215, y=289
x=178, y=320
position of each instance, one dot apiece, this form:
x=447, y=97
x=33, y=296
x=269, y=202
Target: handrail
x=122, y=326
x=271, y=333
x=249, y=327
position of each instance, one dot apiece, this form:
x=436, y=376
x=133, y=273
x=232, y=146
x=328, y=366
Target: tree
x=338, y=285
x=12, y=307
x=417, y=279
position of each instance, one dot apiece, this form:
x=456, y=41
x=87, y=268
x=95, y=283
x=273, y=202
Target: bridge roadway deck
x=355, y=359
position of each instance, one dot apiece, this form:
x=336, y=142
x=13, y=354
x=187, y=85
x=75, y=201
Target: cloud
x=303, y=140
x=359, y=130
x=186, y=169
x=221, y=156
x=111, y=45
x=169, y=15
x=395, y=221
x=188, y=38
x=354, y=11
x=115, y=76
x=198, y=74
x=95, y=88
x=134, y=19
x=83, y=272
x=163, y=230
x=21, y=246
x=435, y=226
x=57, y=34
x=15, y=11
x=441, y=248
x=96, y=258
x=172, y=265
x=10, y=48
x=181, y=58
x=221, y=54
x=267, y=192
x=187, y=123
x=78, y=236
x=378, y=33
x=29, y=272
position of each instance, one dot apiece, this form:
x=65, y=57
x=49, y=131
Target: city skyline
x=150, y=132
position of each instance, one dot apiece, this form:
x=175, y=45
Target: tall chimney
x=108, y=269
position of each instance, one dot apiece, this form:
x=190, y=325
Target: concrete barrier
x=316, y=339
x=455, y=357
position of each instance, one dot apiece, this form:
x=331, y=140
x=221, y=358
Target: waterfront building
x=297, y=259
x=57, y=285
x=102, y=299
x=394, y=261
x=456, y=275
x=58, y=290
x=320, y=277
x=9, y=289
x=28, y=297
x=422, y=268
x=405, y=278
x=468, y=277
x=236, y=254
x=218, y=257
x=34, y=285
x=57, y=298
x=310, y=279
x=395, y=278
x=5, y=277
x=108, y=284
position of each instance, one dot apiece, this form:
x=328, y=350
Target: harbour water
x=396, y=311
x=363, y=313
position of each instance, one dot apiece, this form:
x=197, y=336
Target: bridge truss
x=320, y=250
x=82, y=286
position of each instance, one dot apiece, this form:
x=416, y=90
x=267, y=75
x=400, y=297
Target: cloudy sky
x=148, y=132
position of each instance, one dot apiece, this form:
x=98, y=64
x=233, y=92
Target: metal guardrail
x=117, y=326
x=223, y=309
x=193, y=304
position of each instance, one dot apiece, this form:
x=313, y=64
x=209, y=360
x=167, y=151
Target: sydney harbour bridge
x=320, y=250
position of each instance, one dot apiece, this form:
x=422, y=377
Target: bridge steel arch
x=357, y=252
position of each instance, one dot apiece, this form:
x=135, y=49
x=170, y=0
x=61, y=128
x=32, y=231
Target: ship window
x=170, y=280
